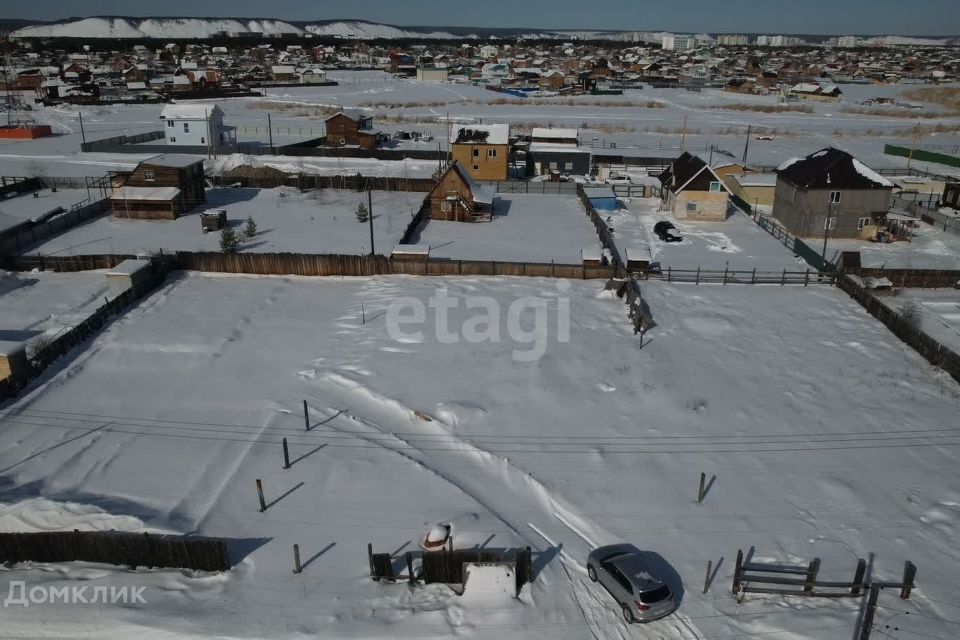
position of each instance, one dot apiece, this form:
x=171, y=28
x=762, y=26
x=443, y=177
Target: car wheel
x=591, y=573
x=627, y=614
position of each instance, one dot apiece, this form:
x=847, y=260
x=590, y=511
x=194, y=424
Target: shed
x=601, y=198
x=147, y=202
x=213, y=220
x=13, y=360
x=411, y=252
x=128, y=274
x=592, y=257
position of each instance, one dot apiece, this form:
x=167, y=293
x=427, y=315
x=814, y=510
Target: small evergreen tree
x=250, y=229
x=363, y=214
x=228, y=240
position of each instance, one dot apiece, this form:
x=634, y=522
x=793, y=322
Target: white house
x=197, y=125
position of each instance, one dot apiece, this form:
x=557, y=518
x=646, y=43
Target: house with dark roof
x=692, y=190
x=831, y=190
x=160, y=188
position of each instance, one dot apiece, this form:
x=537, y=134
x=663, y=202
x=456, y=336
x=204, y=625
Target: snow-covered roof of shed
x=128, y=267
x=145, y=193
x=175, y=160
x=545, y=132
x=412, y=249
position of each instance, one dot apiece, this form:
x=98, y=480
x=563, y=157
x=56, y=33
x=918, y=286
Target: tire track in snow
x=514, y=484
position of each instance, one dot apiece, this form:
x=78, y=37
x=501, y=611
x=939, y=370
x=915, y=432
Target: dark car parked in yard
x=633, y=581
x=667, y=232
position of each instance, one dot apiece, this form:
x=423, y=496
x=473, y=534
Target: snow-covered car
x=632, y=581
x=618, y=178
x=667, y=232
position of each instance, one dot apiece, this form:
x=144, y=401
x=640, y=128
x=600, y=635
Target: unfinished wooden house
x=457, y=197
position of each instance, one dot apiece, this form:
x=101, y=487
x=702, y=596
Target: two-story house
x=831, y=191
x=482, y=150
x=197, y=125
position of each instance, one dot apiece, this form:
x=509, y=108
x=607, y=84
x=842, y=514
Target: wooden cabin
x=161, y=188
x=456, y=197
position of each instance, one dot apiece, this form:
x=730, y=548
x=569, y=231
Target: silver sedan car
x=629, y=578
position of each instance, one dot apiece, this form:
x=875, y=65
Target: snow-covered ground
x=525, y=228
x=827, y=437
x=938, y=312
x=34, y=303
x=738, y=243
x=16, y=209
x=929, y=248
x=321, y=221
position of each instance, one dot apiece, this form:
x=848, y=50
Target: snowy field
x=737, y=243
x=525, y=228
x=298, y=112
x=939, y=312
x=929, y=248
x=322, y=221
x=34, y=303
x=827, y=437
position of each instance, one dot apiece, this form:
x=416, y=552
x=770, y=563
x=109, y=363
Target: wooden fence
x=447, y=566
x=603, y=232
x=734, y=276
x=117, y=548
x=29, y=233
x=935, y=353
x=305, y=182
x=912, y=278
x=311, y=264
x=62, y=344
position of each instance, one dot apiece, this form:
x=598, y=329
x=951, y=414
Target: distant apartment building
x=778, y=41
x=678, y=43
x=847, y=42
x=729, y=40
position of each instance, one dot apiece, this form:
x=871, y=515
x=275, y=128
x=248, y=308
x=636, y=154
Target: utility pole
x=683, y=137
x=826, y=231
x=83, y=135
x=270, y=131
x=710, y=163
x=370, y=216
x=746, y=147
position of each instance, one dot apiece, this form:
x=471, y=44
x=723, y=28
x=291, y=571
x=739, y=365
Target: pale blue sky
x=907, y=17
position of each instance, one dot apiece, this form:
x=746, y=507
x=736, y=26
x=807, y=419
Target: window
x=186, y=127
x=830, y=223
x=554, y=166
x=203, y=140
x=691, y=206
x=476, y=153
x=339, y=127
x=620, y=578
x=173, y=139
x=569, y=166
x=476, y=167
x=170, y=123
x=864, y=222
x=834, y=197
x=491, y=153
x=714, y=186
x=446, y=205
x=148, y=174
x=343, y=141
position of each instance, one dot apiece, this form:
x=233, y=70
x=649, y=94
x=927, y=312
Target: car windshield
x=658, y=594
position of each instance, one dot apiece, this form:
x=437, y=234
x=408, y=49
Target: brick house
x=692, y=190
x=831, y=190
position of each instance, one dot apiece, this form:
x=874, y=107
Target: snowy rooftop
x=129, y=267
x=176, y=160
x=145, y=193
x=187, y=111
x=550, y=133
x=495, y=133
